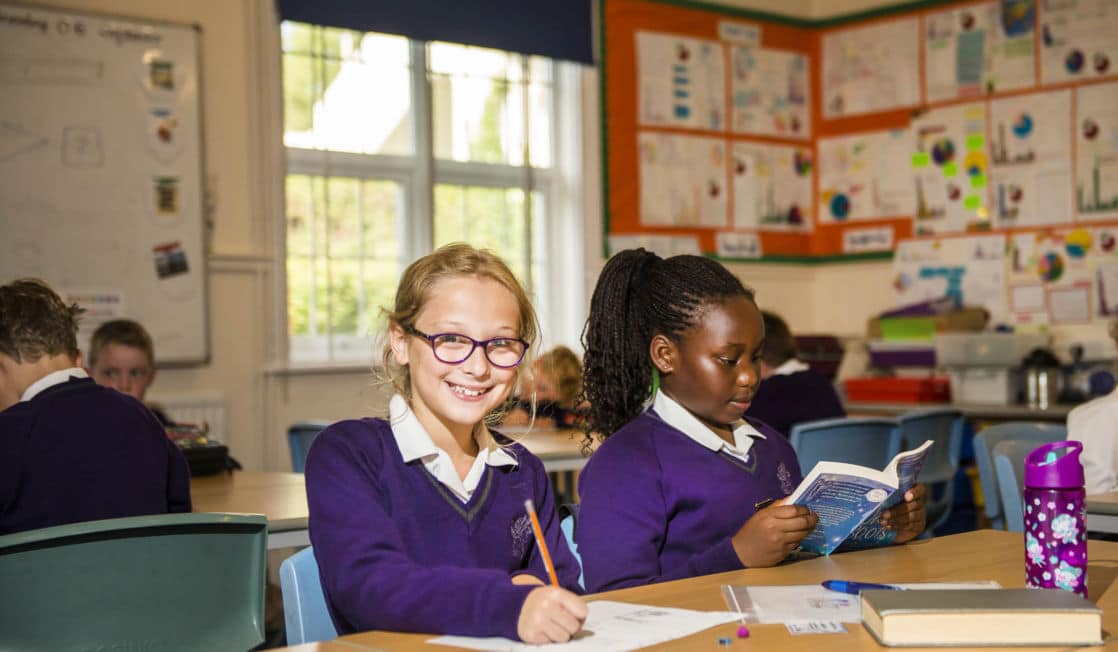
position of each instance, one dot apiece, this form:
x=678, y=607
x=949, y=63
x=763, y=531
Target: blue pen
x=854, y=588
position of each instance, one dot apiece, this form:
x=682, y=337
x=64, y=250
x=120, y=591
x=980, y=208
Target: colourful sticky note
x=978, y=181
x=921, y=160
x=950, y=169
x=972, y=202
x=975, y=141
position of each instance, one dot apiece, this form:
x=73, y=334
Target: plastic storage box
x=986, y=349
x=935, y=389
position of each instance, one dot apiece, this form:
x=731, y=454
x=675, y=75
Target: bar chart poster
x=1096, y=183
x=1030, y=152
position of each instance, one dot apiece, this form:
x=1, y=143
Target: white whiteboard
x=101, y=170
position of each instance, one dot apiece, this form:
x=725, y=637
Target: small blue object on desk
x=854, y=588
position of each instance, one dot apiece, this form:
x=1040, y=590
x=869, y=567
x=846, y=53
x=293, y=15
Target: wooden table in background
x=972, y=556
x=560, y=450
x=281, y=497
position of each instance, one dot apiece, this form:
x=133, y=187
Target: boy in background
x=790, y=392
x=71, y=450
x=121, y=356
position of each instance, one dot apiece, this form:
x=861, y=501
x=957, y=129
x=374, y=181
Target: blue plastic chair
x=869, y=441
x=299, y=438
x=944, y=426
x=304, y=605
x=569, y=513
x=988, y=438
x=166, y=582
x=1009, y=465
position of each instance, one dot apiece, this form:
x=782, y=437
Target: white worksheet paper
x=614, y=627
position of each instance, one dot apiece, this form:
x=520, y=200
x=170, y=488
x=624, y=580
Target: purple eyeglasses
x=456, y=348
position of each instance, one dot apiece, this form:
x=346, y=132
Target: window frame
x=417, y=175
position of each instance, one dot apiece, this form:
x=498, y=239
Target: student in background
x=71, y=450
x=555, y=384
x=121, y=356
x=689, y=486
x=1095, y=423
x=418, y=521
x=790, y=392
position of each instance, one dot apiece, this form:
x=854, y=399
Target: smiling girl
x=683, y=485
x=418, y=521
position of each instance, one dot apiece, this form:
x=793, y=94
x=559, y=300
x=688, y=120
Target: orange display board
x=681, y=108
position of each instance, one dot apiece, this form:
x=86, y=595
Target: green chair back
x=165, y=582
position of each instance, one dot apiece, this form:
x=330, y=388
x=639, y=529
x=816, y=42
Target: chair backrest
x=989, y=437
x=944, y=426
x=167, y=582
x=299, y=438
x=1009, y=467
x=304, y=605
x=568, y=513
x=867, y=441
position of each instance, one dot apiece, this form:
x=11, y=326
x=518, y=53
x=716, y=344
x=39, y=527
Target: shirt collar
x=52, y=379
x=678, y=417
x=789, y=367
x=415, y=443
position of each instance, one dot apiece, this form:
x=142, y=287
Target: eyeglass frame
x=484, y=344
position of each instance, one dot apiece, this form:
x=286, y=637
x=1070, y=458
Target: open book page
x=906, y=467
x=611, y=627
x=845, y=496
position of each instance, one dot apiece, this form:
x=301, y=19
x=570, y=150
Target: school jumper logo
x=521, y=533
x=785, y=479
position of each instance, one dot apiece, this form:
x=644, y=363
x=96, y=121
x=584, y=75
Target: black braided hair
x=638, y=296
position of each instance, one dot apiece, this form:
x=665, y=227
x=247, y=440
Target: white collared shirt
x=415, y=443
x=789, y=367
x=677, y=416
x=52, y=379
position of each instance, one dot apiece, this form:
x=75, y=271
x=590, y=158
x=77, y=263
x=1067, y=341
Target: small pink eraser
x=743, y=632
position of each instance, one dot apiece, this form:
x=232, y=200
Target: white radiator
x=200, y=409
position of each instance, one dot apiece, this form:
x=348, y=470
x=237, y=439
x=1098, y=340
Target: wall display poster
x=771, y=186
x=1055, y=267
x=978, y=49
x=949, y=164
x=871, y=68
x=1030, y=178
x=1096, y=126
x=970, y=268
x=1077, y=40
x=865, y=176
x=681, y=81
x=770, y=92
x=682, y=180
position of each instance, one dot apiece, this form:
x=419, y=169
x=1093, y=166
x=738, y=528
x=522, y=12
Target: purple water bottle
x=1055, y=522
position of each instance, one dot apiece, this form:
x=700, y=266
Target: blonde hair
x=416, y=287
x=564, y=366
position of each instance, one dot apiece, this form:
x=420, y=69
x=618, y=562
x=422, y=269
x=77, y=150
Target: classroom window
x=396, y=147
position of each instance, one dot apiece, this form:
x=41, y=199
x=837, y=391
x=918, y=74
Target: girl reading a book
x=682, y=484
x=418, y=521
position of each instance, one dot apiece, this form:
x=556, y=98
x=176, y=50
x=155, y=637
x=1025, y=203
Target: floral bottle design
x=1055, y=521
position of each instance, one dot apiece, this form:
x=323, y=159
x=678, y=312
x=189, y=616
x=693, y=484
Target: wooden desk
x=559, y=450
x=972, y=411
x=1102, y=512
x=979, y=555
x=281, y=497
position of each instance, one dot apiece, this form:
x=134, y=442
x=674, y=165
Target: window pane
x=342, y=263
x=492, y=218
x=346, y=91
x=478, y=99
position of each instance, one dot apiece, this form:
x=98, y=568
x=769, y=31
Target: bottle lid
x=1045, y=467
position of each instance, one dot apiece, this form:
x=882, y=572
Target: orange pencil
x=540, y=541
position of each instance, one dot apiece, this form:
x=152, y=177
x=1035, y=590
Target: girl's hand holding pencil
x=551, y=614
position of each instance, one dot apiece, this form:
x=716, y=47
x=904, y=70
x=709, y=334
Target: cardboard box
x=971, y=319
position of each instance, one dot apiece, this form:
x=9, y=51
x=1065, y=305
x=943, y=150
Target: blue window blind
x=559, y=29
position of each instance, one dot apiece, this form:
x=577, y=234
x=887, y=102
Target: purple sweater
x=658, y=506
x=81, y=452
x=397, y=551
x=785, y=400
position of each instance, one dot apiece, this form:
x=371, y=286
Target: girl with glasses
x=418, y=521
